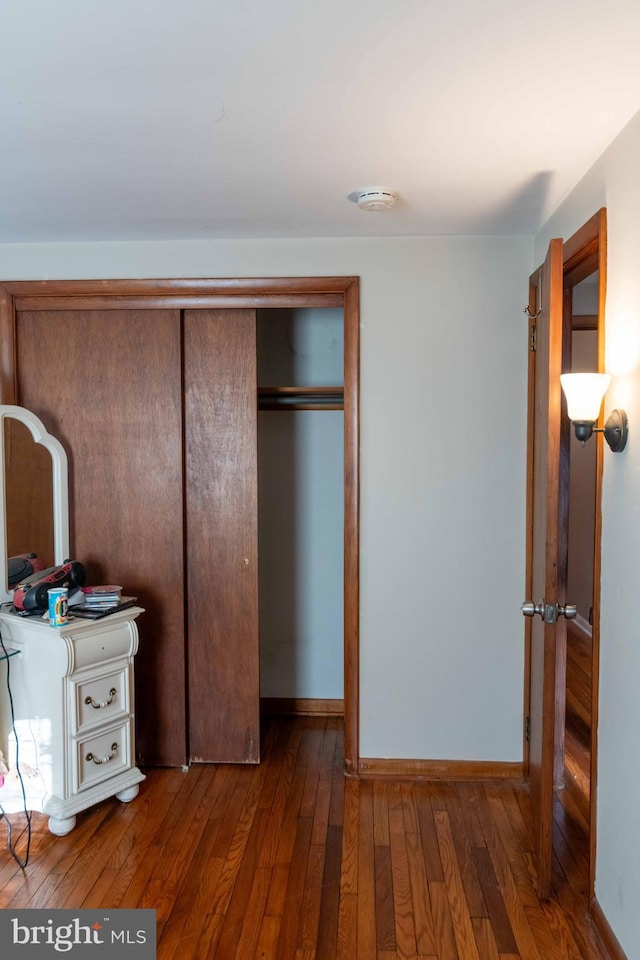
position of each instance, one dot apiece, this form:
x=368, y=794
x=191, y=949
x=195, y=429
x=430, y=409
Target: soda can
x=58, y=606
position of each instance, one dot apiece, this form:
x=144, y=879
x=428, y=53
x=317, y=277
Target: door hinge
x=527, y=729
x=532, y=338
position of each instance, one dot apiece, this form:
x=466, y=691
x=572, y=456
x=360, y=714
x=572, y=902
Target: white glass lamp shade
x=584, y=393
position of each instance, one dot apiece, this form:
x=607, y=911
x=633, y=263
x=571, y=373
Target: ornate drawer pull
x=99, y=760
x=103, y=703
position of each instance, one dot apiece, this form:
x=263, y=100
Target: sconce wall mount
x=584, y=393
x=615, y=430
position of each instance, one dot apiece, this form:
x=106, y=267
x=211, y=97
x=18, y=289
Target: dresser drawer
x=102, y=755
x=100, y=699
x=103, y=642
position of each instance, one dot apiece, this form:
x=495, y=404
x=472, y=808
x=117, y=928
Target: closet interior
x=301, y=509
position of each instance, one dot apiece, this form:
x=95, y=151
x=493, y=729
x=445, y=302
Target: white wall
x=614, y=182
x=300, y=549
x=443, y=435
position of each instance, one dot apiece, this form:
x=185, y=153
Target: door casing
x=214, y=293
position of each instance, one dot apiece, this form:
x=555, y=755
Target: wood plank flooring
x=291, y=861
x=578, y=727
x=571, y=803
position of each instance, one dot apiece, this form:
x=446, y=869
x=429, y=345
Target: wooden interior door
x=547, y=558
x=107, y=384
x=221, y=511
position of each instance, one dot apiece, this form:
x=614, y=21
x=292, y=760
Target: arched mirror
x=34, y=506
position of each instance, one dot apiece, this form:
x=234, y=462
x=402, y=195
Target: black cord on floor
x=21, y=863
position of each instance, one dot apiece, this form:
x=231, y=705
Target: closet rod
x=303, y=405
x=333, y=391
x=301, y=398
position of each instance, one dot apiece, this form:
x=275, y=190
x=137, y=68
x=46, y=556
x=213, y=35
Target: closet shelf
x=301, y=398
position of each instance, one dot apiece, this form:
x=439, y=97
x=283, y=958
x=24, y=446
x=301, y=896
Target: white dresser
x=73, y=698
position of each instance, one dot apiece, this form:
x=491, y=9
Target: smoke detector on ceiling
x=376, y=198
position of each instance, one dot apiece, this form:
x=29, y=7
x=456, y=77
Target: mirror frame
x=60, y=472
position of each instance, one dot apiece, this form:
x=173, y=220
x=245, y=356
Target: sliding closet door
x=107, y=383
x=221, y=535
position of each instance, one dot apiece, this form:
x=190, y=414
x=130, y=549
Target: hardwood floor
x=578, y=725
x=571, y=803
x=291, y=861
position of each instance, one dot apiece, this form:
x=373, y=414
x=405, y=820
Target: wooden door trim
x=260, y=287
x=352, y=528
x=8, y=366
x=584, y=253
x=581, y=255
x=183, y=301
x=601, y=228
x=238, y=292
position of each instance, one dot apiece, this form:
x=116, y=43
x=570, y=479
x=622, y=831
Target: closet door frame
x=254, y=293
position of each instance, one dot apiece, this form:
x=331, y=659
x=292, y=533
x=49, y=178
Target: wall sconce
x=584, y=393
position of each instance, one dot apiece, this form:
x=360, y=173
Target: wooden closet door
x=221, y=535
x=107, y=383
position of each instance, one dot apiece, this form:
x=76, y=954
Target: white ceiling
x=136, y=119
